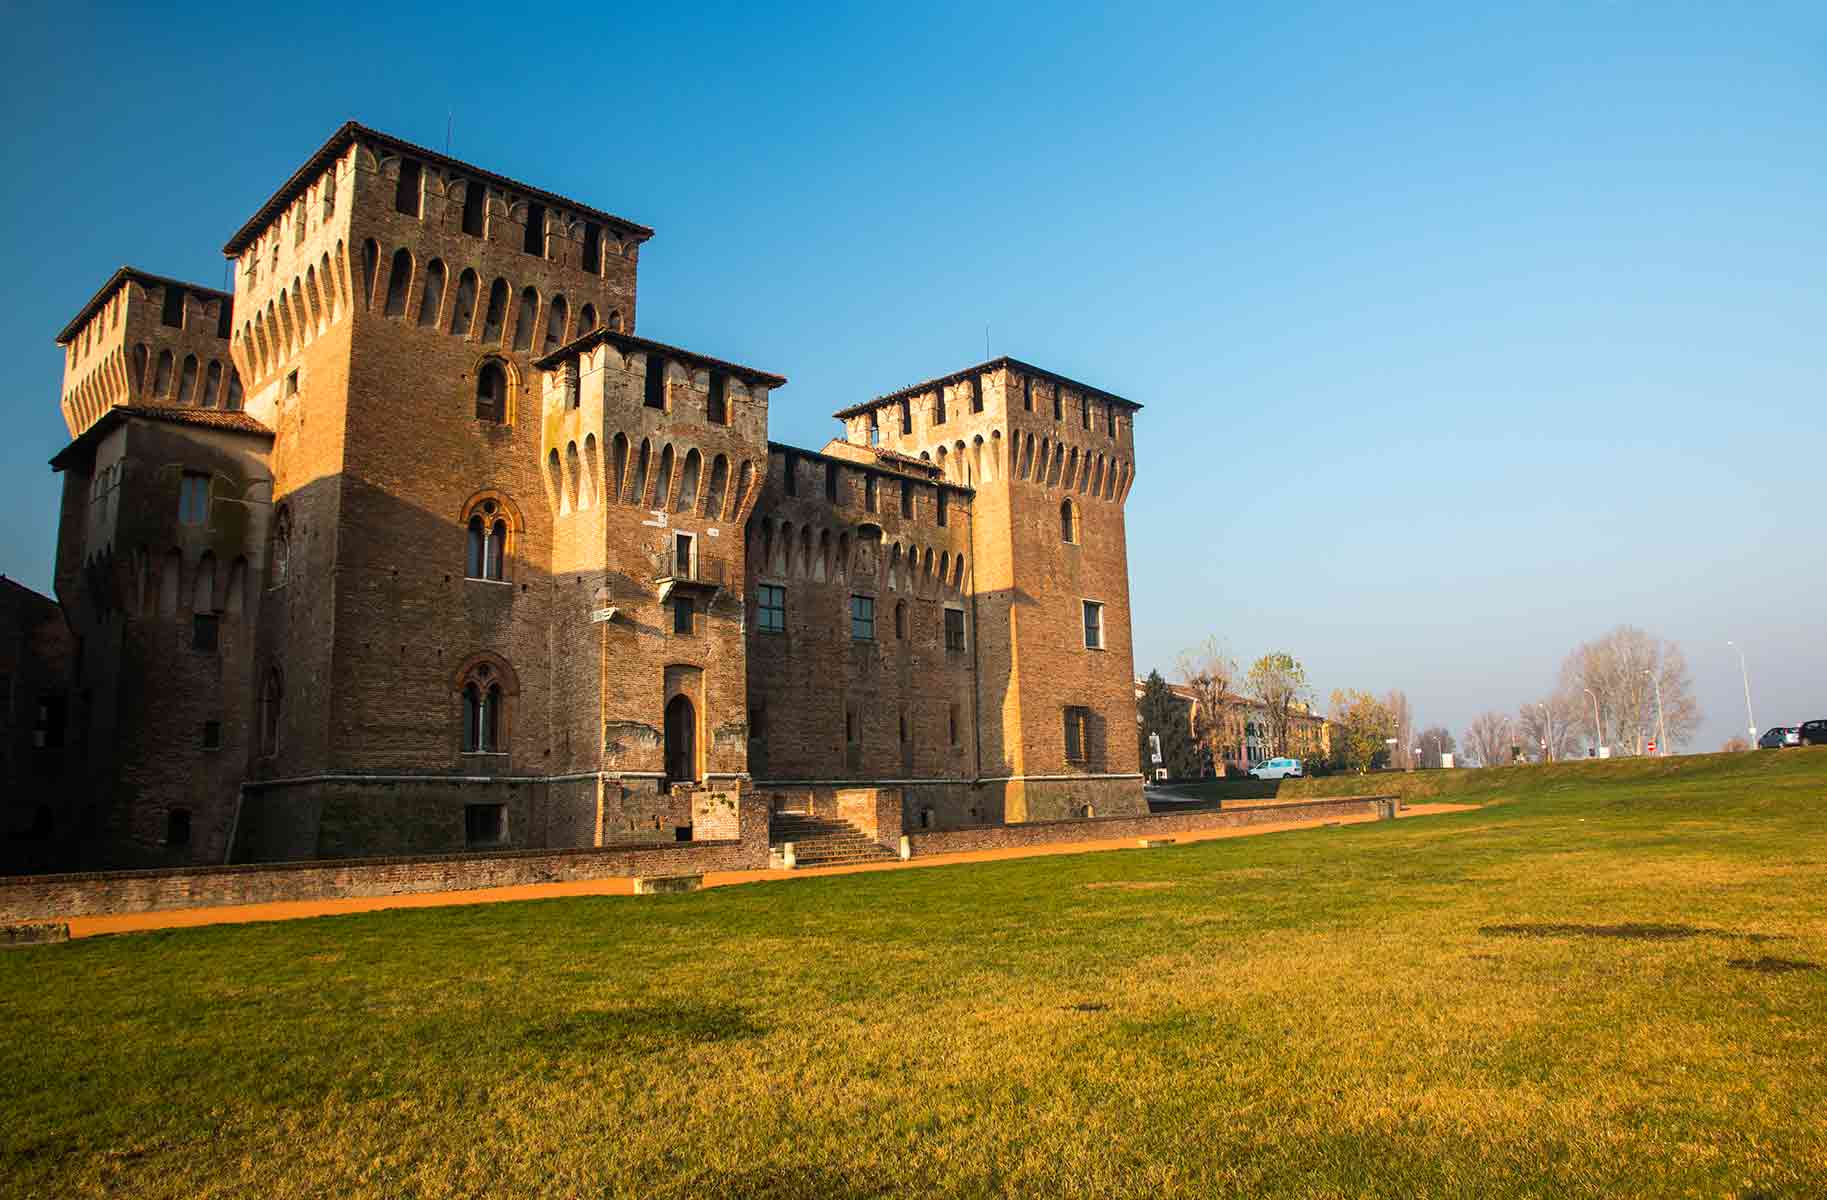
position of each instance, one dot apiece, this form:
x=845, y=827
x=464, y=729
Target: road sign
x=1652, y=745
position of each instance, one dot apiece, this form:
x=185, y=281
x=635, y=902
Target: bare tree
x=1211, y=675
x=1624, y=669
x=1436, y=743
x=1736, y=744
x=1278, y=682
x=1402, y=719
x=1489, y=739
x=1551, y=727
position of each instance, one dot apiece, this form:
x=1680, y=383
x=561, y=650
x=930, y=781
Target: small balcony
x=678, y=567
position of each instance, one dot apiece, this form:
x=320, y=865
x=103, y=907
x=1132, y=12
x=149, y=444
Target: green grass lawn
x=1580, y=989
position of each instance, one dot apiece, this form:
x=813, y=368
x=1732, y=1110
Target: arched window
x=618, y=464
x=233, y=404
x=638, y=496
x=187, y=380
x=161, y=378
x=486, y=536
x=491, y=393
x=399, y=280
x=212, y=385
x=555, y=476
x=463, y=312
x=688, y=481
x=900, y=617
x=1068, y=522
x=615, y=321
x=719, y=484
x=431, y=299
x=662, y=491
x=586, y=319
x=272, y=700
x=523, y=322
x=495, y=316
x=486, y=686
x=555, y=324
x=371, y=266
x=279, y=566
x=593, y=470
x=580, y=494
x=139, y=366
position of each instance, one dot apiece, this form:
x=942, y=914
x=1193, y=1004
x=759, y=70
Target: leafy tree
x=1165, y=714
x=1364, y=726
x=1278, y=682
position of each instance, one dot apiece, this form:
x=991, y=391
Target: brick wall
x=98, y=893
x=1040, y=833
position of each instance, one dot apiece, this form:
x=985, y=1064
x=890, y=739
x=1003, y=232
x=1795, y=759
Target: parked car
x=1777, y=738
x=1813, y=733
x=1283, y=768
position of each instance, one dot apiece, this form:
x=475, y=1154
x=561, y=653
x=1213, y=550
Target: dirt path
x=287, y=910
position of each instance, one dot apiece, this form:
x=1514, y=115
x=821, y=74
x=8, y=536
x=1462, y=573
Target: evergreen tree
x=1162, y=713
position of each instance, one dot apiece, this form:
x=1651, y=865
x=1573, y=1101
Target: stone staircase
x=821, y=842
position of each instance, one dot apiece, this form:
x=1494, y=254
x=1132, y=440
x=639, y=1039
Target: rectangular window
x=475, y=203
x=484, y=824
x=406, y=192
x=954, y=629
x=681, y=556
x=1110, y=419
x=1094, y=625
x=655, y=395
x=875, y=429
x=771, y=610
x=172, y=313
x=906, y=417
x=850, y=726
x=872, y=492
x=177, y=827
x=939, y=407
x=204, y=628
x=291, y=384
x=593, y=247
x=943, y=505
x=535, y=242
x=792, y=475
x=717, y=408
x=951, y=725
x=977, y=395
x=212, y=735
x=831, y=482
x=682, y=612
x=1085, y=411
x=907, y=500
x=1059, y=402
x=223, y=316
x=862, y=618
x=1027, y=395
x=1078, y=721
x=193, y=499
x=48, y=733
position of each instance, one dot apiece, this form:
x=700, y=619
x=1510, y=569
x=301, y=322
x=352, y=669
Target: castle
x=412, y=544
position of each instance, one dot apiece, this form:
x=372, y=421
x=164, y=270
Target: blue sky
x=1464, y=335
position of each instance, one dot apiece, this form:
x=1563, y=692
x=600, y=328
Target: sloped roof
x=209, y=418
x=970, y=372
x=120, y=276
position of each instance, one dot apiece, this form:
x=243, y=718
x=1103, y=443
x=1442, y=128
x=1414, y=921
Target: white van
x=1276, y=768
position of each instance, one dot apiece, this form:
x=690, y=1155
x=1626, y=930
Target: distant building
x=1245, y=740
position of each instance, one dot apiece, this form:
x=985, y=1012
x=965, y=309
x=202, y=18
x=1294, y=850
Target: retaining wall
x=1039, y=833
x=96, y=893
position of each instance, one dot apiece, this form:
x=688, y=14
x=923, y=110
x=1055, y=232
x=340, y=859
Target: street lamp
x=1598, y=730
x=1661, y=725
x=1547, y=732
x=1745, y=675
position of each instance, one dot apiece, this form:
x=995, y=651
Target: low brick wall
x=1040, y=833
x=37, y=897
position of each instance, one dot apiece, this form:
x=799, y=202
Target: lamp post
x=1547, y=733
x=1745, y=675
x=1661, y=725
x=1598, y=730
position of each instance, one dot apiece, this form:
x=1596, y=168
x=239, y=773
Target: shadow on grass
x=1772, y=966
x=1631, y=932
x=647, y=1027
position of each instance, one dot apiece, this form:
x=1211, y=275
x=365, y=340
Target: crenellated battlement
x=1007, y=420
x=149, y=340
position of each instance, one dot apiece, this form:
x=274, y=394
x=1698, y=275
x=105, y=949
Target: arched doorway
x=681, y=741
